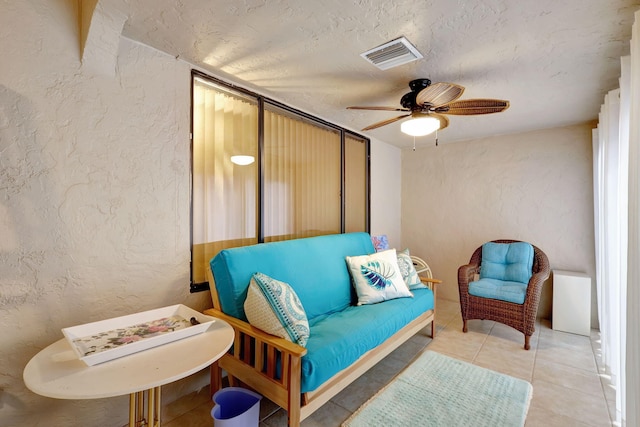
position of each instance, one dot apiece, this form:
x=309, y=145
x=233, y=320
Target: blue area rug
x=440, y=391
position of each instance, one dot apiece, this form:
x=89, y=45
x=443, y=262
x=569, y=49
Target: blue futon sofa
x=345, y=339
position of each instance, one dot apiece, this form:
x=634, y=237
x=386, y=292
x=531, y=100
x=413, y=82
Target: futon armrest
x=244, y=327
x=430, y=283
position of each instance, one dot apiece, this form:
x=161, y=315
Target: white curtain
x=616, y=147
x=632, y=359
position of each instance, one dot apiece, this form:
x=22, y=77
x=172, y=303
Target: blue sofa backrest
x=315, y=267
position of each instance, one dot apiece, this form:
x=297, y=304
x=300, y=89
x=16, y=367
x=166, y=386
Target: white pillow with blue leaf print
x=274, y=307
x=377, y=277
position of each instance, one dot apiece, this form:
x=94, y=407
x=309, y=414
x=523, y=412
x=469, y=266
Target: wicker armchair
x=519, y=316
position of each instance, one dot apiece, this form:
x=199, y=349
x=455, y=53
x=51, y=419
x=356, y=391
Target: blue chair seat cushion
x=339, y=339
x=499, y=289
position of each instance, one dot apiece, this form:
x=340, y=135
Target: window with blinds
x=296, y=176
x=224, y=194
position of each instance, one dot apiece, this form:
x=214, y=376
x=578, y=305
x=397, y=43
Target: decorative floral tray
x=105, y=340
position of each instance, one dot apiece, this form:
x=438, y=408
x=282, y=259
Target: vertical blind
x=309, y=178
x=225, y=195
x=302, y=179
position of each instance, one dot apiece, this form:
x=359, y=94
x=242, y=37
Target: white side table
x=571, y=302
x=57, y=372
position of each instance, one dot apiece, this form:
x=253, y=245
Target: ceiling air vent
x=391, y=54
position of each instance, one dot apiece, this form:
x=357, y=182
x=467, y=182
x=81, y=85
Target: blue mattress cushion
x=339, y=339
x=499, y=289
x=314, y=267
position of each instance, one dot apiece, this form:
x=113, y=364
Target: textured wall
x=386, y=199
x=94, y=197
x=535, y=186
x=94, y=194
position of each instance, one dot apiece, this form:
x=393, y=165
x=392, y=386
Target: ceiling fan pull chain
x=436, y=137
x=414, y=143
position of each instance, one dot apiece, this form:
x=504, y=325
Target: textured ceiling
x=553, y=60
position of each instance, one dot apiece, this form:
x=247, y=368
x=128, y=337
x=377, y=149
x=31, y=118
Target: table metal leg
x=137, y=408
x=158, y=406
x=132, y=409
x=150, y=404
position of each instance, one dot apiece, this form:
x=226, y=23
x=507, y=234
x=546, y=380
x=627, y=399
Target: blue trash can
x=236, y=407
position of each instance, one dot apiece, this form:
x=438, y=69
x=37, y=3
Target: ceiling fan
x=428, y=106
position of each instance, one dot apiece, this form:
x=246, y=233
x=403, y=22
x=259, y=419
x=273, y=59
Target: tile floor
x=563, y=368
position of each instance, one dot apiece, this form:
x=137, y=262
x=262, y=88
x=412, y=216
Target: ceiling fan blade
x=444, y=120
x=439, y=94
x=377, y=108
x=386, y=122
x=472, y=107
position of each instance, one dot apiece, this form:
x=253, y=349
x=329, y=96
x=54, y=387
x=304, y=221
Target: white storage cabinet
x=571, y=302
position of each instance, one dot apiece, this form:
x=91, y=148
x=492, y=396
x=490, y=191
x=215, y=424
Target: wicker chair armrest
x=278, y=343
x=466, y=272
x=534, y=288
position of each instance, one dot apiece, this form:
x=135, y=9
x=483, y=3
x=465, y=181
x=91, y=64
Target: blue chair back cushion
x=510, y=262
x=505, y=271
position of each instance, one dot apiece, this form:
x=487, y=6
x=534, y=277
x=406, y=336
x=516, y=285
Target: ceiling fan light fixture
x=420, y=126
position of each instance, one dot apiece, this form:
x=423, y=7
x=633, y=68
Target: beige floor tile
x=574, y=404
x=541, y=417
x=453, y=355
x=568, y=376
x=356, y=394
x=423, y=336
x=278, y=419
x=447, y=307
x=200, y=416
x=565, y=338
x=510, y=339
x=329, y=414
x=457, y=343
x=407, y=351
x=508, y=333
x=479, y=328
x=268, y=408
x=444, y=320
x=566, y=354
x=385, y=370
x=497, y=356
x=185, y=404
x=475, y=325
x=569, y=389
